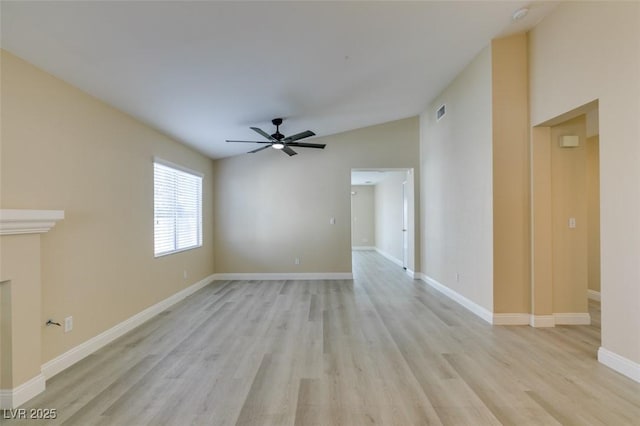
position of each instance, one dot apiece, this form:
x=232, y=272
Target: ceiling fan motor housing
x=277, y=135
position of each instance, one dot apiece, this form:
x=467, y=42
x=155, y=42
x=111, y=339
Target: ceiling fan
x=279, y=141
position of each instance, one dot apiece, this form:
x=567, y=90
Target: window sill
x=176, y=251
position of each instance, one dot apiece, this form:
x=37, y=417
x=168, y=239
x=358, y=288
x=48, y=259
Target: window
x=177, y=209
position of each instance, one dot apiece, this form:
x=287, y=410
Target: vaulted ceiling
x=204, y=71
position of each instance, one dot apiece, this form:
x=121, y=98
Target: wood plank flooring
x=382, y=349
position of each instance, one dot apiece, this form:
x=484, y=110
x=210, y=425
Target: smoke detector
x=520, y=13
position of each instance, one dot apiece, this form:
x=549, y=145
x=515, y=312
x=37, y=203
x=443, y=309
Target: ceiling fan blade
x=307, y=145
x=259, y=149
x=298, y=136
x=250, y=141
x=289, y=151
x=263, y=133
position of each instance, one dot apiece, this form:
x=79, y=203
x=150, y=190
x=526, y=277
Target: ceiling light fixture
x=520, y=13
x=278, y=145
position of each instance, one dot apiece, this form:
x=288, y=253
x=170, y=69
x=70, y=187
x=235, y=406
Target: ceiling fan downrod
x=277, y=122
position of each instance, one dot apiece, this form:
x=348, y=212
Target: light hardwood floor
x=382, y=349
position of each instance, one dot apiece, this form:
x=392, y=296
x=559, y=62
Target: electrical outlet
x=184, y=274
x=68, y=324
x=296, y=261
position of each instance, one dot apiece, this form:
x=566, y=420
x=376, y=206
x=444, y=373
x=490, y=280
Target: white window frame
x=184, y=170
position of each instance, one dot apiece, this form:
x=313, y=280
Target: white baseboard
x=457, y=297
x=593, y=295
x=13, y=398
x=390, y=257
x=400, y=263
x=542, y=321
x=67, y=359
x=421, y=276
x=413, y=274
x=619, y=363
x=511, y=319
x=561, y=318
x=363, y=248
x=572, y=318
x=284, y=276
x=568, y=318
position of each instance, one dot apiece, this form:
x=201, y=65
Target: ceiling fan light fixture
x=278, y=145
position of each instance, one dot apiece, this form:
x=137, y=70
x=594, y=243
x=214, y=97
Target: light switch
x=572, y=222
x=332, y=221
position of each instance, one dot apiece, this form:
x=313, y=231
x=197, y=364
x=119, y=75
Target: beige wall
x=456, y=166
x=581, y=52
x=19, y=268
x=62, y=149
x=569, y=200
x=388, y=214
x=541, y=223
x=362, y=216
x=271, y=208
x=593, y=212
x=511, y=183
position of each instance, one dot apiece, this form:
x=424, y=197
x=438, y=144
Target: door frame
x=412, y=188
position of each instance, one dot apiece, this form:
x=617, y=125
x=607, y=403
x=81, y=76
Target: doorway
x=566, y=219
x=382, y=217
x=405, y=224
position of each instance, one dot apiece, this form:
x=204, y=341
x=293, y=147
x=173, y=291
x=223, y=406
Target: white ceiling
x=204, y=71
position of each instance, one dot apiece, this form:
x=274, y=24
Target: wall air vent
x=440, y=113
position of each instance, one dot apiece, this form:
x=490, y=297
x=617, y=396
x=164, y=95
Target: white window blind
x=177, y=209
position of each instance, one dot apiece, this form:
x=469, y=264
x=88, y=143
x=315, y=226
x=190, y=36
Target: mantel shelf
x=14, y=222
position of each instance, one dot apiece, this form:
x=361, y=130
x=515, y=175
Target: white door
x=405, y=222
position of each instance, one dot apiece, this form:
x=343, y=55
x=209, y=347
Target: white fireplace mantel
x=28, y=221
